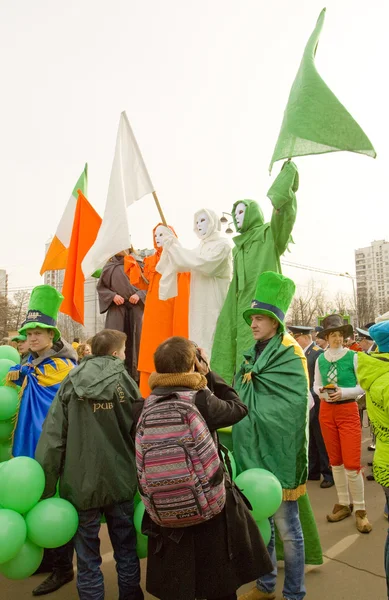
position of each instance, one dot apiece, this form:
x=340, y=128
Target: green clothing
x=274, y=434
x=315, y=122
x=86, y=437
x=373, y=376
x=345, y=376
x=258, y=248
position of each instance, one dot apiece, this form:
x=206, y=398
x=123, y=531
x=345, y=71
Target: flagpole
x=159, y=209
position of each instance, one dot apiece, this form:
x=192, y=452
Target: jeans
x=90, y=581
x=288, y=524
x=386, y=554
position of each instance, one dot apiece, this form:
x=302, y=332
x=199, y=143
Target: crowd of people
x=289, y=392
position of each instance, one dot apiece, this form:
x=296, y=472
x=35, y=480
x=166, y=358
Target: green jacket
x=373, y=377
x=274, y=435
x=86, y=437
x=258, y=248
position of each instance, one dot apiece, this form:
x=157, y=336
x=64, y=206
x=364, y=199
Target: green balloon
x=11, y=353
x=9, y=402
x=22, y=482
x=13, y=533
x=5, y=365
x=5, y=453
x=6, y=429
x=142, y=542
x=233, y=464
x=52, y=522
x=265, y=530
x=262, y=489
x=138, y=517
x=137, y=499
x=25, y=563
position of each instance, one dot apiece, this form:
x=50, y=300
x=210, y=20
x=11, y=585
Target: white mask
x=202, y=223
x=239, y=214
x=160, y=236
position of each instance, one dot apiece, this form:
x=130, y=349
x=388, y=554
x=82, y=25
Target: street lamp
x=229, y=229
x=346, y=274
x=224, y=219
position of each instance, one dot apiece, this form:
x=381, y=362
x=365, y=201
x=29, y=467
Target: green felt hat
x=273, y=296
x=43, y=310
x=19, y=338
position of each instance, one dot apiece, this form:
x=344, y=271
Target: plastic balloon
x=25, y=562
x=137, y=499
x=262, y=489
x=13, y=533
x=22, y=482
x=5, y=365
x=5, y=452
x=6, y=429
x=52, y=522
x=138, y=517
x=9, y=402
x=141, y=545
x=225, y=437
x=265, y=529
x=11, y=353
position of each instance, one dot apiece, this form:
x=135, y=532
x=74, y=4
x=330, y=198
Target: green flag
x=315, y=122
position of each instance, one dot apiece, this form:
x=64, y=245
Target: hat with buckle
x=43, y=310
x=335, y=323
x=273, y=295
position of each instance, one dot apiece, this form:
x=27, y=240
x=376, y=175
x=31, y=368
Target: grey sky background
x=204, y=84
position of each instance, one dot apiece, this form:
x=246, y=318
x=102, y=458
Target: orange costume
x=162, y=318
x=134, y=273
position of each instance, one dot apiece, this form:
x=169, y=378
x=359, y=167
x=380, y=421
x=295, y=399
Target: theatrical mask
x=202, y=223
x=160, y=236
x=239, y=214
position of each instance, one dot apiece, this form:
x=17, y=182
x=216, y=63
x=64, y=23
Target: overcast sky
x=204, y=84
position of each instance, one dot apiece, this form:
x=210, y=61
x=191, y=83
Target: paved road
x=353, y=568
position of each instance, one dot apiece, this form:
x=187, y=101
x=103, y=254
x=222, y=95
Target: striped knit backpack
x=178, y=466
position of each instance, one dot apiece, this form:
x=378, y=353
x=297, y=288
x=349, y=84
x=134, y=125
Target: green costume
x=258, y=248
x=315, y=122
x=373, y=377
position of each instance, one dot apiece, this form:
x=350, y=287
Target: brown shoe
x=362, y=521
x=256, y=594
x=339, y=512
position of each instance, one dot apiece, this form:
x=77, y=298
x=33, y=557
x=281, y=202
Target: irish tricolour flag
x=57, y=254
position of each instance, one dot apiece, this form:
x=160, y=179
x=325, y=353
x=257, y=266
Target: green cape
x=274, y=434
x=315, y=122
x=257, y=249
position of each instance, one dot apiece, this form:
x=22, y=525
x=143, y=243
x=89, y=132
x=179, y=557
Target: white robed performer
x=210, y=266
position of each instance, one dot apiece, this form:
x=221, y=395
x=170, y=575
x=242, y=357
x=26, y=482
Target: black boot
x=55, y=581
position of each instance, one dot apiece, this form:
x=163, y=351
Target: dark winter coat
x=213, y=559
x=86, y=438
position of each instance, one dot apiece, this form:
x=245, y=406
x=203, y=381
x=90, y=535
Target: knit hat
x=43, y=310
x=335, y=323
x=380, y=334
x=273, y=295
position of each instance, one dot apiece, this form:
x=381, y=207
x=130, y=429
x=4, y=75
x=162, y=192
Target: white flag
x=128, y=183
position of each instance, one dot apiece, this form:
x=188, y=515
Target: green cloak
x=274, y=434
x=258, y=248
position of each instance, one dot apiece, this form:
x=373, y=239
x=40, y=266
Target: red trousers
x=341, y=428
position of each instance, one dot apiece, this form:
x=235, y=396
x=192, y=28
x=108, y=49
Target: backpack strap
x=225, y=458
x=380, y=358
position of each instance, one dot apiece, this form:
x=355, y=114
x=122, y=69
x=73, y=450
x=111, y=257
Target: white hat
x=384, y=317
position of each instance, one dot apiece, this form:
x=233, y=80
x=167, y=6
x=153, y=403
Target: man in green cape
x=258, y=248
x=273, y=383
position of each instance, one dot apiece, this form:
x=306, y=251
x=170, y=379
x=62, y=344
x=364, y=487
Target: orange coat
x=161, y=318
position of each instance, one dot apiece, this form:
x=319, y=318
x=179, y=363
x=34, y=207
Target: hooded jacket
x=86, y=437
x=373, y=376
x=210, y=266
x=40, y=378
x=258, y=248
x=161, y=320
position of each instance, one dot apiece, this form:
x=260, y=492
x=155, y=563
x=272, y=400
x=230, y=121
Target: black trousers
x=318, y=457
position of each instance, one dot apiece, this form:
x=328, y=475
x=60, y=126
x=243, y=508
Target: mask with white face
x=239, y=214
x=160, y=236
x=202, y=223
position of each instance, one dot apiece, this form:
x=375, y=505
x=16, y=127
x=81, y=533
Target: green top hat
x=43, y=310
x=273, y=296
x=19, y=338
